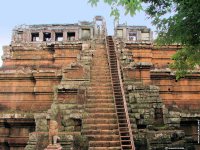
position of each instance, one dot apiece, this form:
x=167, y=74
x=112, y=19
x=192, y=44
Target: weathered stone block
x=76, y=116
x=129, y=87
x=69, y=129
x=174, y=120
x=174, y=114
x=41, y=122
x=137, y=115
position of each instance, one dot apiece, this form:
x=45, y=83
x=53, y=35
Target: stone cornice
x=15, y=76
x=47, y=46
x=163, y=74
x=151, y=46
x=69, y=46
x=46, y=75
x=17, y=122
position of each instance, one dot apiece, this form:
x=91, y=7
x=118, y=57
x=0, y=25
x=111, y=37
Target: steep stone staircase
x=125, y=131
x=100, y=123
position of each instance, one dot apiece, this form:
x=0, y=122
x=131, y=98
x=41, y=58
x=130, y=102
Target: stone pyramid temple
x=73, y=87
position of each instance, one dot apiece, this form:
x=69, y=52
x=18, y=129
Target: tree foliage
x=131, y=6
x=177, y=22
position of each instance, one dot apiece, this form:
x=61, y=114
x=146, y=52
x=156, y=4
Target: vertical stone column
x=53, y=36
x=151, y=36
x=41, y=36
x=125, y=34
x=65, y=35
x=91, y=33
x=139, y=36
x=80, y=33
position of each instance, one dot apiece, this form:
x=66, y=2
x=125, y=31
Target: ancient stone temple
x=71, y=86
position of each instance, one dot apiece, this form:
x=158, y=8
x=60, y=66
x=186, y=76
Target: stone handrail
x=111, y=76
x=125, y=104
x=124, y=99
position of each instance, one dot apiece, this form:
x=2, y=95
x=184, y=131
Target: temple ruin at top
x=82, y=31
x=72, y=86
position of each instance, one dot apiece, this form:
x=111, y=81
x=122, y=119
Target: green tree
x=177, y=21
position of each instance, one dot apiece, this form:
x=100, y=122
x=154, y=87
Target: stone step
x=100, y=105
x=102, y=88
x=101, y=91
x=103, y=115
x=102, y=75
x=128, y=147
x=100, y=121
x=100, y=65
x=108, y=137
x=98, y=80
x=100, y=61
x=101, y=68
x=100, y=101
x=104, y=143
x=100, y=110
x=99, y=96
x=101, y=54
x=94, y=88
x=105, y=148
x=100, y=50
x=101, y=132
x=99, y=75
x=106, y=95
x=97, y=69
x=100, y=127
x=103, y=84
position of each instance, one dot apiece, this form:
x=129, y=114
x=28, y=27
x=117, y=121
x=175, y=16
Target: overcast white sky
x=28, y=12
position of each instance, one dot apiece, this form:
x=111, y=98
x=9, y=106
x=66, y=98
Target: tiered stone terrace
x=61, y=72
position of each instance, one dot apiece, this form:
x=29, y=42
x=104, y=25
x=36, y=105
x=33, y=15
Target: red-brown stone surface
x=185, y=93
x=28, y=78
